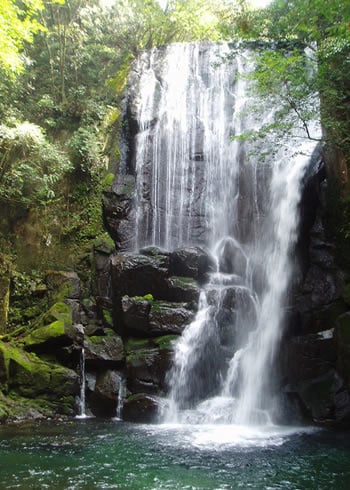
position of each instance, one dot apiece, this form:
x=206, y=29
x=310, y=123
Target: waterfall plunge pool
x=97, y=454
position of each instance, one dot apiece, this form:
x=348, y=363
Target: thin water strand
x=82, y=403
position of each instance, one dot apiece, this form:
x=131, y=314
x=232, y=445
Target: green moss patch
x=29, y=376
x=44, y=334
x=165, y=341
x=136, y=344
x=60, y=311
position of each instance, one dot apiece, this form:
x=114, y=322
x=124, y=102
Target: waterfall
x=121, y=397
x=185, y=180
x=82, y=405
x=197, y=185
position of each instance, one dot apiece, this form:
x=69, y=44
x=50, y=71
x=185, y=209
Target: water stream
x=82, y=403
x=198, y=185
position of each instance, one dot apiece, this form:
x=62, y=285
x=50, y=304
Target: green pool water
x=110, y=454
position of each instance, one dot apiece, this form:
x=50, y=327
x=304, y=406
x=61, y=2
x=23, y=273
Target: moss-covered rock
x=167, y=317
x=53, y=337
x=147, y=362
x=104, y=244
x=26, y=375
x=16, y=407
x=63, y=284
x=182, y=289
x=59, y=311
x=136, y=314
x=165, y=342
x=104, y=350
x=118, y=212
x=44, y=334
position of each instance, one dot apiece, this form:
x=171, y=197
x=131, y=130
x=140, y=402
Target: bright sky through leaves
x=254, y=3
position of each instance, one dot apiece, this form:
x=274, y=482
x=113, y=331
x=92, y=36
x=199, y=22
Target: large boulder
x=191, y=262
x=147, y=317
x=103, y=400
x=60, y=338
x=28, y=376
x=104, y=351
x=141, y=408
x=65, y=284
x=232, y=259
x=147, y=362
x=181, y=289
x=138, y=275
x=169, y=318
x=136, y=314
x=52, y=337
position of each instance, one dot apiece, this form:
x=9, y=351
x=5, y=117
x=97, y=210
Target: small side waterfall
x=121, y=397
x=82, y=404
x=198, y=185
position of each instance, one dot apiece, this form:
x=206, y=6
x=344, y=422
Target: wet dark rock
x=118, y=211
x=104, y=311
x=153, y=318
x=102, y=275
x=141, y=408
x=147, y=363
x=153, y=251
x=191, y=262
x=136, y=314
x=315, y=320
x=310, y=356
x=311, y=372
x=103, y=400
x=138, y=275
x=342, y=334
x=320, y=288
x=169, y=318
x=181, y=289
x=326, y=398
x=104, y=351
x=232, y=259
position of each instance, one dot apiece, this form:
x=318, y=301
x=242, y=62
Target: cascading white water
x=185, y=181
x=121, y=397
x=82, y=404
x=197, y=185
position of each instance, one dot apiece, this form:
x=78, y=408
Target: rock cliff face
x=314, y=350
